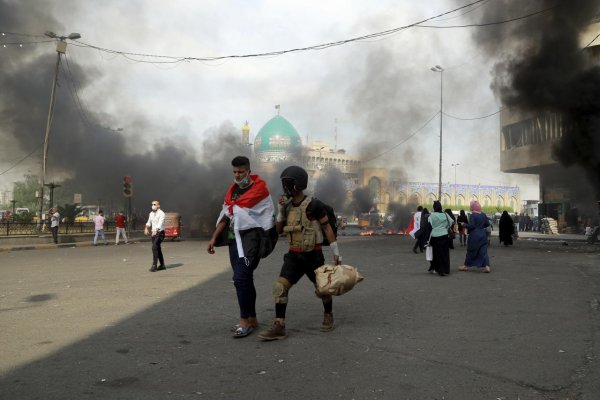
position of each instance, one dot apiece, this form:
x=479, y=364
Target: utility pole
x=439, y=69
x=61, y=48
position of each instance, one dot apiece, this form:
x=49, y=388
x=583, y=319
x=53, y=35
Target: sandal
x=237, y=326
x=243, y=331
x=487, y=270
x=463, y=268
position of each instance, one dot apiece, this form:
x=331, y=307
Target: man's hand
x=337, y=260
x=211, y=247
x=146, y=231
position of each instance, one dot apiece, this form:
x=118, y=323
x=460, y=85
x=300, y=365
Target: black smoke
x=331, y=188
x=362, y=201
x=86, y=157
x=544, y=68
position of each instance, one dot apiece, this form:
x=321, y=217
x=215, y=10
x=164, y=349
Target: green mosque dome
x=277, y=140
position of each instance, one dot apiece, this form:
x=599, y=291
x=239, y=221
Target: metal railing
x=8, y=228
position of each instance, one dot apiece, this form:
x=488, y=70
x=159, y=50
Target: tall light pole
x=455, y=165
x=439, y=69
x=61, y=48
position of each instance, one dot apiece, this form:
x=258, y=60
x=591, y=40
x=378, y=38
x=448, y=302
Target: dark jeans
x=54, y=231
x=243, y=280
x=156, y=250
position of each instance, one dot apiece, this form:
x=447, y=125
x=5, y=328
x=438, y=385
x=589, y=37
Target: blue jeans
x=101, y=233
x=243, y=280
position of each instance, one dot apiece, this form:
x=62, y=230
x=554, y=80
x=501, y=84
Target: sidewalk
x=78, y=240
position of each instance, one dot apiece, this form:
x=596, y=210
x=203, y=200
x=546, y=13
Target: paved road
x=92, y=323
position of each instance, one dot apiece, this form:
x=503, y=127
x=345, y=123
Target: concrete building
x=527, y=141
x=279, y=141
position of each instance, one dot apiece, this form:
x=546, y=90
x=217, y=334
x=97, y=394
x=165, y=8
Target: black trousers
x=157, y=254
x=54, y=231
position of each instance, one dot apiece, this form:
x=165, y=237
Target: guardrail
x=9, y=228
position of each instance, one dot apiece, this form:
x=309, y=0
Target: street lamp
x=439, y=69
x=61, y=48
x=455, y=165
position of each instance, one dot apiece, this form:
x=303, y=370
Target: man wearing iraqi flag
x=244, y=224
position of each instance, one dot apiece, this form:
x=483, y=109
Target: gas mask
x=289, y=187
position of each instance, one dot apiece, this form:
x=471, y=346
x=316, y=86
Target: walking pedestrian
x=156, y=227
x=477, y=248
x=305, y=222
x=246, y=218
x=99, y=227
x=416, y=227
x=423, y=233
x=452, y=230
x=54, y=222
x=120, y=221
x=440, y=223
x=506, y=229
x=462, y=220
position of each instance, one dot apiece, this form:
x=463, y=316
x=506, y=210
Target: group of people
x=438, y=230
x=120, y=222
x=246, y=225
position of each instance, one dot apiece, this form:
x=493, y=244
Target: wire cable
x=21, y=160
x=75, y=93
x=474, y=118
x=280, y=52
x=405, y=139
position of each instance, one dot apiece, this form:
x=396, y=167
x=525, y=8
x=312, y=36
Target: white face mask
x=154, y=208
x=242, y=182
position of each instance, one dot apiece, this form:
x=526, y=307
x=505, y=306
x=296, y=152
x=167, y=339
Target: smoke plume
x=544, y=69
x=87, y=158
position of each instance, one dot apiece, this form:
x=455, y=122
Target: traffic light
x=127, y=186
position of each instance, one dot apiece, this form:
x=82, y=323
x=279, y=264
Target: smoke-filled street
x=92, y=322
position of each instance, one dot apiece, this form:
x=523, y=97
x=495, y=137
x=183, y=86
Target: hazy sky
x=380, y=91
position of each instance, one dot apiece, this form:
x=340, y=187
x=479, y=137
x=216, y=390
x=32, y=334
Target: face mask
x=154, y=208
x=242, y=182
x=289, y=187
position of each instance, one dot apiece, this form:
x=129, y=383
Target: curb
x=61, y=245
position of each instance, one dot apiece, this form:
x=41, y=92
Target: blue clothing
x=243, y=280
x=477, y=245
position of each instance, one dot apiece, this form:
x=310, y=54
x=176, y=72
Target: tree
x=24, y=192
x=68, y=212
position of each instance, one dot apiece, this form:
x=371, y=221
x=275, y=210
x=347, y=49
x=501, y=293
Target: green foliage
x=68, y=212
x=24, y=217
x=24, y=192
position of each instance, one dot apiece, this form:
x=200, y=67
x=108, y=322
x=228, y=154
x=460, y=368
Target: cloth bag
x=428, y=253
x=336, y=280
x=429, y=249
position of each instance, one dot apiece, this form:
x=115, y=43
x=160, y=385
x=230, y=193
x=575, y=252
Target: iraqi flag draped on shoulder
x=253, y=209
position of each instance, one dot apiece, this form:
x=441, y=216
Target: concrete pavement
x=93, y=323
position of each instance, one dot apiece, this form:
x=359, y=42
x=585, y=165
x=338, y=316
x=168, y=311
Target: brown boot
x=275, y=332
x=327, y=324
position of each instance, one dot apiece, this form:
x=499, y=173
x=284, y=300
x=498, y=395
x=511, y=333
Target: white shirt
x=417, y=224
x=156, y=221
x=54, y=220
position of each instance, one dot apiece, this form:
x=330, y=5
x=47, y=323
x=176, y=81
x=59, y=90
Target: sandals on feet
x=463, y=268
x=242, y=331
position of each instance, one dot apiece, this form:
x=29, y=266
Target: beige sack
x=336, y=279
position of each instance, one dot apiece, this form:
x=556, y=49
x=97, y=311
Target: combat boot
x=275, y=332
x=327, y=324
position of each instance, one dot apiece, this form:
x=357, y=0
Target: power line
x=75, y=93
x=21, y=160
x=489, y=23
x=474, y=118
x=405, y=139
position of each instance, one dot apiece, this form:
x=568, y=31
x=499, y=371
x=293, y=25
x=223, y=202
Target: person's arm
x=333, y=245
x=218, y=230
x=148, y=225
x=281, y=216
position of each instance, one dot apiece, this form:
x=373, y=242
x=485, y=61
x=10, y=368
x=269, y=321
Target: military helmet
x=294, y=179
